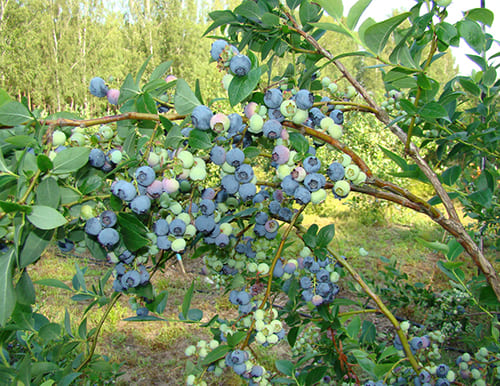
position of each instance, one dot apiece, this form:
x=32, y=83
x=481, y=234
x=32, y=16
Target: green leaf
x=234, y=339
x=242, y=86
x=450, y=175
x=469, y=86
x=299, y=143
x=251, y=152
x=363, y=27
x=394, y=157
x=454, y=249
x=13, y=113
x=489, y=77
x=41, y=368
x=159, y=71
x=7, y=292
x=309, y=12
x=67, y=323
x=249, y=9
x=377, y=35
x=35, y=244
x=25, y=291
x=21, y=141
x=423, y=82
x=433, y=110
x=310, y=236
x=184, y=100
x=216, y=354
x=10, y=207
x=284, y=366
x=334, y=8
x=331, y=27
x=48, y=193
x=472, y=34
x=355, y=12
x=71, y=159
x=482, y=197
x=434, y=245
x=128, y=90
x=199, y=139
x=45, y=217
x=354, y=327
x=95, y=249
x=146, y=318
x=4, y=97
x=174, y=137
x=54, y=283
x=186, y=303
x=325, y=235
x=482, y=15
x=44, y=163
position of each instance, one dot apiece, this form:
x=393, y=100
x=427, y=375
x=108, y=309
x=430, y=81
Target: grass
x=153, y=353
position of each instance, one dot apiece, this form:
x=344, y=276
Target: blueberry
x=285, y=214
x=144, y=274
x=278, y=269
x=162, y=242
x=93, y=226
x=108, y=219
x=442, y=370
x=65, y=245
x=145, y=175
x=230, y=184
x=222, y=240
x=311, y=164
x=120, y=269
x=256, y=371
x=289, y=185
x=337, y=116
x=160, y=227
x=98, y=87
x=207, y=207
x=275, y=114
x=305, y=282
x=177, y=227
x=316, y=116
x=235, y=157
x=244, y=173
x=261, y=217
x=127, y=257
x=273, y=98
x=240, y=65
x=155, y=189
x=235, y=124
x=200, y=117
x=218, y=155
x=272, y=129
x=204, y=224
x=217, y=48
x=416, y=343
x=314, y=182
x=424, y=376
x=442, y=382
x=140, y=204
x=142, y=311
x=108, y=237
x=274, y=207
x=247, y=191
x=335, y=171
x=307, y=295
x=117, y=285
x=124, y=190
x=304, y=99
x=280, y=154
x=302, y=195
x=323, y=276
x=97, y=158
x=131, y=279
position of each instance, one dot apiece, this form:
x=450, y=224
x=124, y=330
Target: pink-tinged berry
x=250, y=109
x=298, y=174
x=280, y=154
x=170, y=78
x=170, y=185
x=284, y=134
x=317, y=300
x=219, y=123
x=113, y=95
x=155, y=189
x=288, y=108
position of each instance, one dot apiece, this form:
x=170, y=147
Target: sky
x=382, y=9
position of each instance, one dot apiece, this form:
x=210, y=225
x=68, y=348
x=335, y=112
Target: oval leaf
x=44, y=217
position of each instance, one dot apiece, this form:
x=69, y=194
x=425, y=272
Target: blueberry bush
x=177, y=174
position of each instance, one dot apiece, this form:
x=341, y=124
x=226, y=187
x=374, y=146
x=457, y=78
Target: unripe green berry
x=288, y=108
x=300, y=117
x=352, y=172
x=86, y=212
x=58, y=138
x=178, y=245
x=335, y=131
x=255, y=124
x=318, y=196
x=341, y=188
x=186, y=158
x=333, y=88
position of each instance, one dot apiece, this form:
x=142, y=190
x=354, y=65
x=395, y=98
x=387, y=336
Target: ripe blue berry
x=126, y=257
x=97, y=158
x=93, y=226
x=204, y=224
x=442, y=370
x=108, y=219
x=314, y=182
x=162, y=242
x=316, y=116
x=177, y=227
x=235, y=157
x=200, y=117
x=311, y=164
x=131, y=279
x=124, y=190
x=302, y=195
x=217, y=48
x=222, y=240
x=98, y=87
x=218, y=155
x=145, y=175
x=247, y=191
x=304, y=99
x=207, y=207
x=140, y=204
x=275, y=114
x=230, y=184
x=240, y=65
x=244, y=173
x=337, y=116
x=272, y=129
x=289, y=185
x=273, y=98
x=335, y=171
x=108, y=237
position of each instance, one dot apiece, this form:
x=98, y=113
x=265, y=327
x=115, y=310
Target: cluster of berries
x=99, y=89
x=228, y=56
